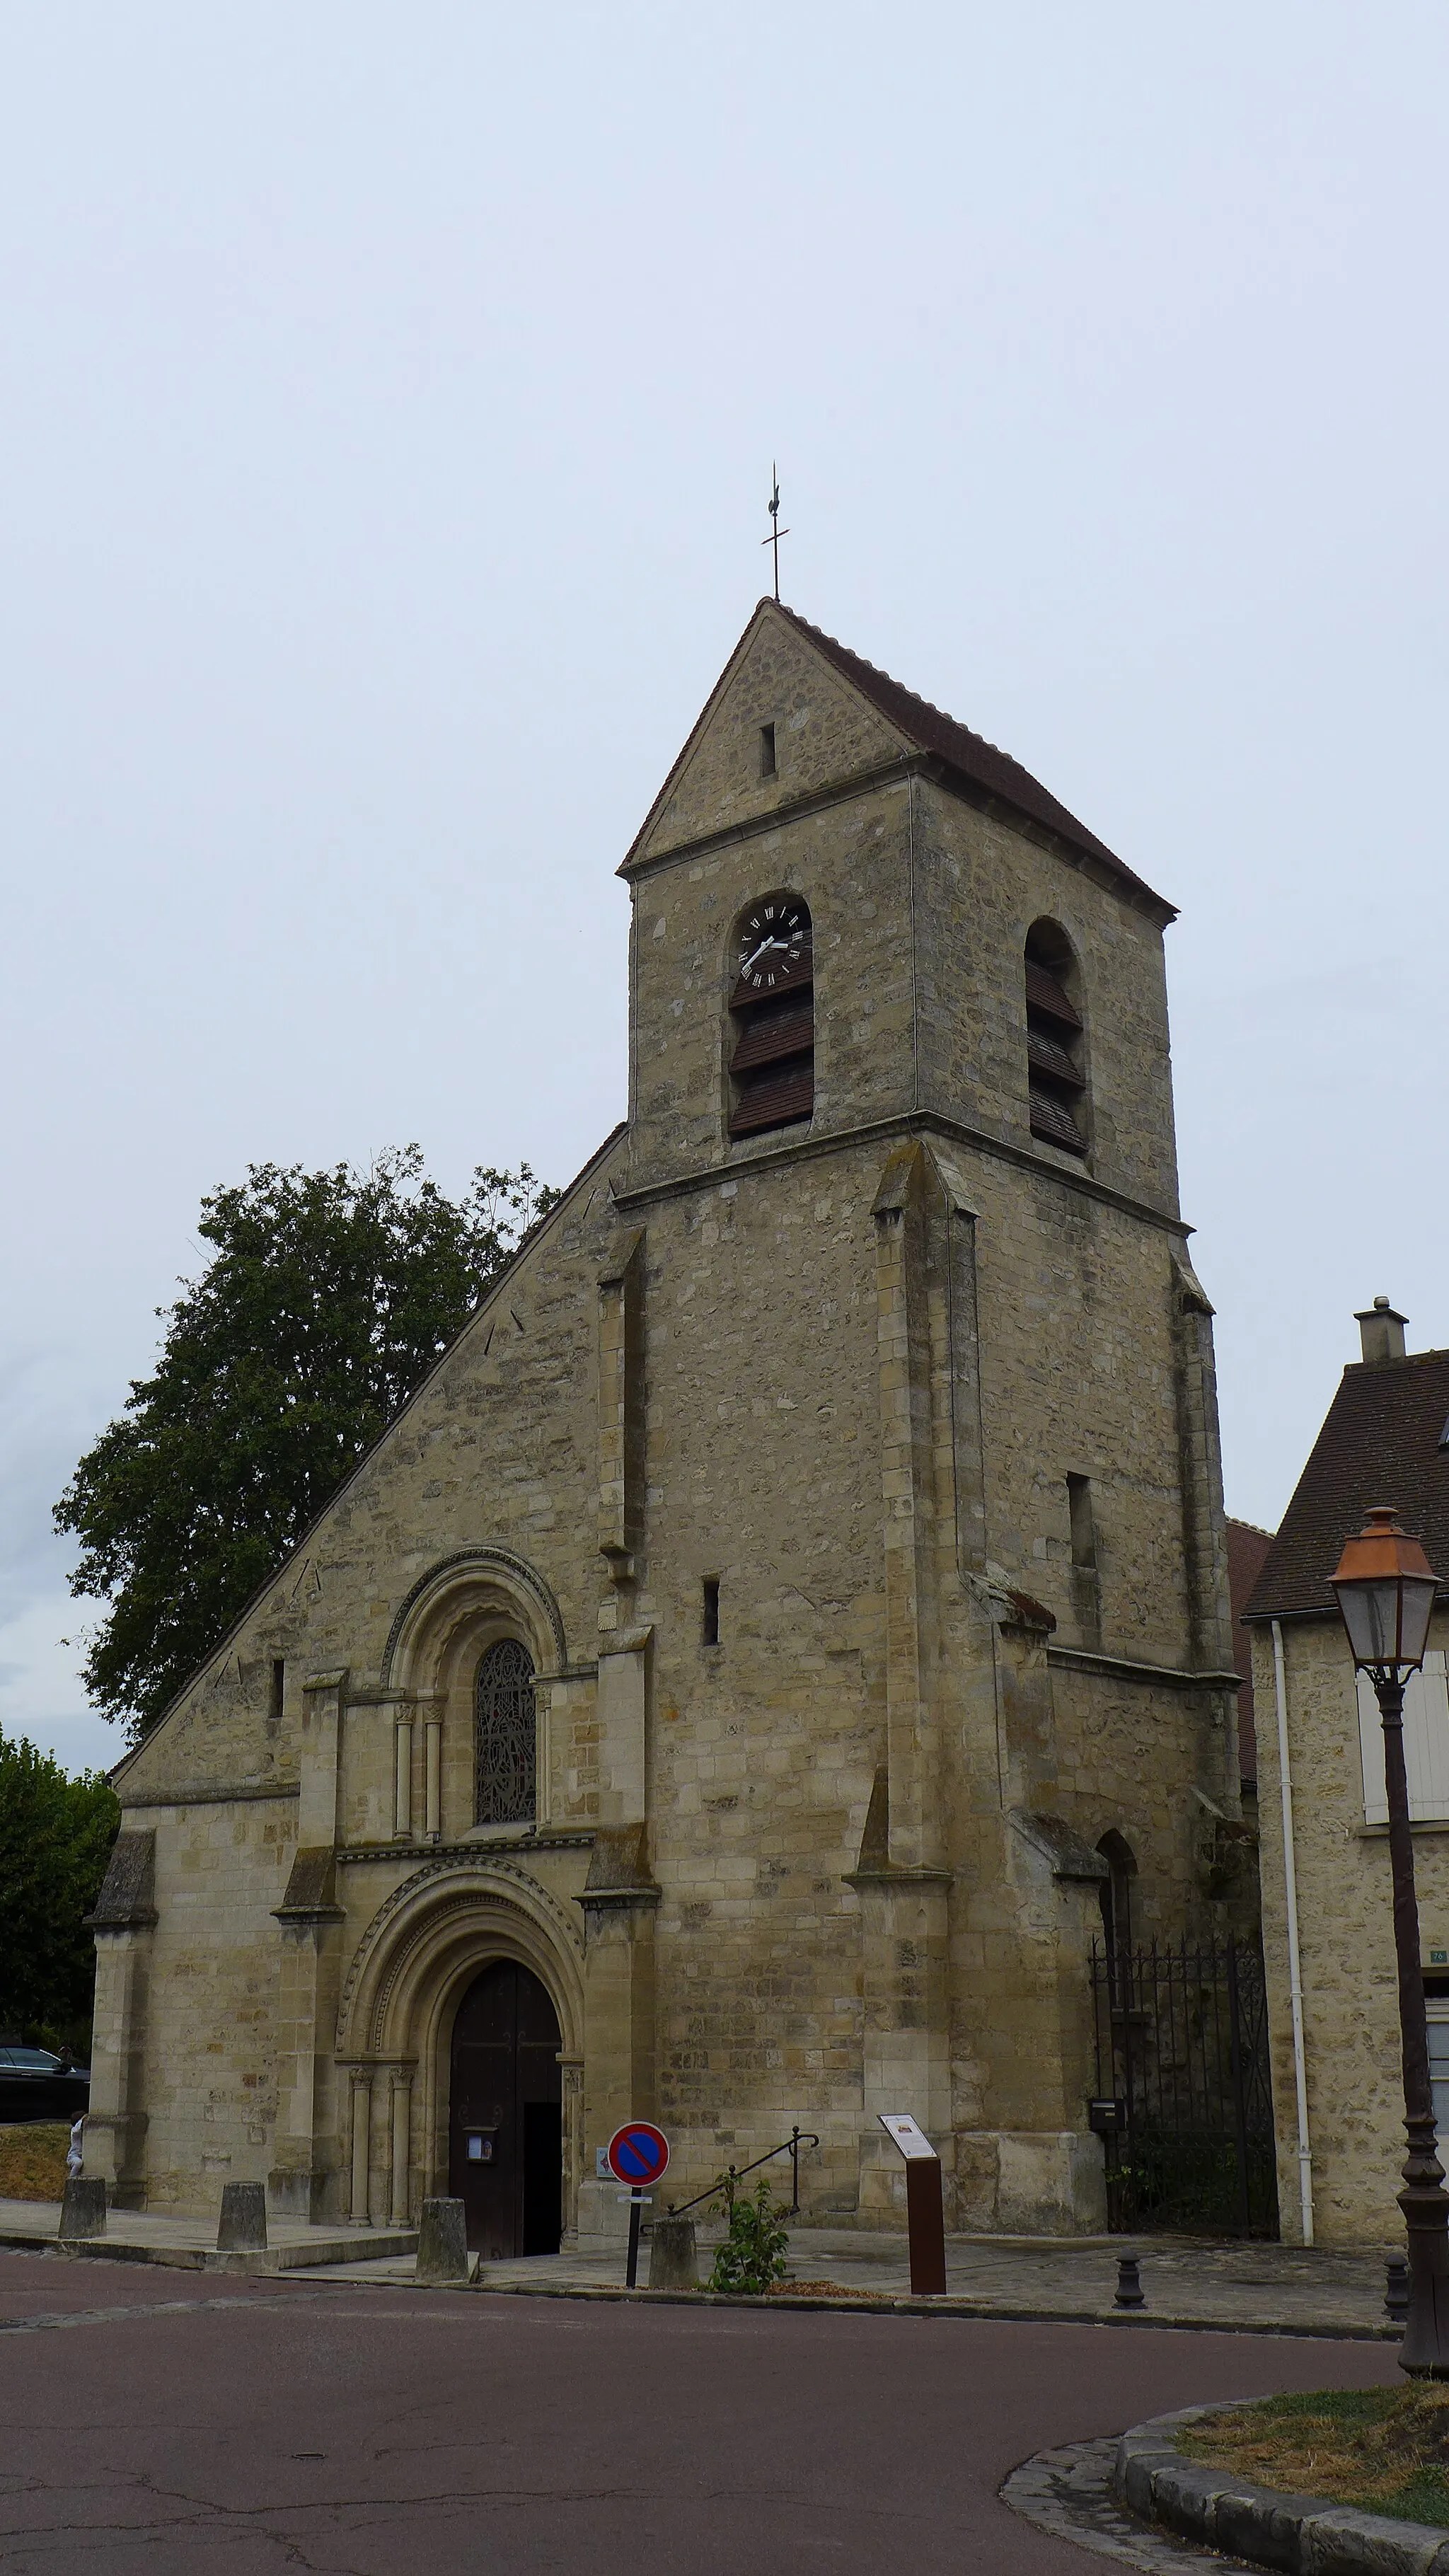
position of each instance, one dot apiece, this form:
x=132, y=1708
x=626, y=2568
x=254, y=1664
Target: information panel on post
x=912, y=2141
x=925, y=2216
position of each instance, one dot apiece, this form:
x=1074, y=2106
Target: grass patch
x=32, y=2161
x=1385, y=2450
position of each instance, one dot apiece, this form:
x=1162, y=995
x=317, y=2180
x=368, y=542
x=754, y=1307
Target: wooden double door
x=505, y=2132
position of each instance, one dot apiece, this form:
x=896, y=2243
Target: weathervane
x=776, y=531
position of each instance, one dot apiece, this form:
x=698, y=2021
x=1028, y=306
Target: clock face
x=771, y=943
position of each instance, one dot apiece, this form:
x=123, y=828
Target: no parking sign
x=637, y=2154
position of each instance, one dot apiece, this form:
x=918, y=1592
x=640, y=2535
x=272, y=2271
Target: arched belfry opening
x=1056, y=1079
x=772, y=1015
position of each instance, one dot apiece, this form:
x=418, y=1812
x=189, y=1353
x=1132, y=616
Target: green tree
x=328, y=1298
x=55, y=1838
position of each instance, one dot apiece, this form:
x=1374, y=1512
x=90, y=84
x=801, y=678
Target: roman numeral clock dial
x=771, y=945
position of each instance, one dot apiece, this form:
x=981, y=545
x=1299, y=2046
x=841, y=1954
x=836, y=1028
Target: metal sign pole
x=637, y=2154
x=925, y=2220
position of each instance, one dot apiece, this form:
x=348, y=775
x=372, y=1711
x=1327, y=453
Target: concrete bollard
x=242, y=2228
x=673, y=2257
x=83, y=2210
x=443, y=2243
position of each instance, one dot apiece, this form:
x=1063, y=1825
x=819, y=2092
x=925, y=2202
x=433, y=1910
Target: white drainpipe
x=1295, y=1971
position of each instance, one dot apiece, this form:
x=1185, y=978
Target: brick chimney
x=1382, y=1331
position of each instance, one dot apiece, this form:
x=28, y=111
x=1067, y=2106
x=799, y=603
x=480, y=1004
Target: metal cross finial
x=776, y=531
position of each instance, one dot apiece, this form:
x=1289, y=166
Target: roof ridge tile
x=984, y=763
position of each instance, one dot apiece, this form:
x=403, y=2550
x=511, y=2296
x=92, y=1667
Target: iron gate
x=1184, y=2100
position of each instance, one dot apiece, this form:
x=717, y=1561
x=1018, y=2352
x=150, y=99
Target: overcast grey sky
x=389, y=395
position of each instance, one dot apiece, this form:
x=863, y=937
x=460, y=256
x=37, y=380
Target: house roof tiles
x=1380, y=1444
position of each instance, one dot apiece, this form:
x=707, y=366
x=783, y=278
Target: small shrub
x=752, y=2257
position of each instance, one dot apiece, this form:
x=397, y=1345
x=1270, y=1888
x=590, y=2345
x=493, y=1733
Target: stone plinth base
x=604, y=2217
x=1030, y=2182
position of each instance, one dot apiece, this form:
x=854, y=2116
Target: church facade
x=793, y=1613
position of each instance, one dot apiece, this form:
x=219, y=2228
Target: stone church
x=792, y=1617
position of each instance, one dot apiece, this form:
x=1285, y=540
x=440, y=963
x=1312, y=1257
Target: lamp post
x=1385, y=1588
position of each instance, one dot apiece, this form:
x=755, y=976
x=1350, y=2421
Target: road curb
x=1294, y=2534
x=980, y=2311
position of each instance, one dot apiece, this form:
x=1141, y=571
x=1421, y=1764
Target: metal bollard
x=1396, y=2289
x=1129, y=2283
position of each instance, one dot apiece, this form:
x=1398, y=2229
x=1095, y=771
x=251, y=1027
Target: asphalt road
x=157, y=2423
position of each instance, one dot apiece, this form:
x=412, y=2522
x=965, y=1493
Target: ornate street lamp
x=1385, y=1588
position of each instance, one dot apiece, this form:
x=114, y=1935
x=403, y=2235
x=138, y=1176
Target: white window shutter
x=1426, y=1745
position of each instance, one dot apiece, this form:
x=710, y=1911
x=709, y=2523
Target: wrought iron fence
x=1184, y=2097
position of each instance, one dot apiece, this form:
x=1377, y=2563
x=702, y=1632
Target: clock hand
x=764, y=946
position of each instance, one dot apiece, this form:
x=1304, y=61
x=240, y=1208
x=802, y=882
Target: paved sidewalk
x=189, y=2244
x=1250, y=2289
x=1258, y=2289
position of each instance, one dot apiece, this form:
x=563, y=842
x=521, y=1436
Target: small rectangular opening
x=1084, y=1533
x=767, y=751
x=710, y=1631
x=279, y=1684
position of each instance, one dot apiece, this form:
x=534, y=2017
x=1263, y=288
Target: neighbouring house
x=1327, y=1914
x=791, y=1615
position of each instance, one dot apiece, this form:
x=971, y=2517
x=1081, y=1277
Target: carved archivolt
x=448, y=1913
x=476, y=1577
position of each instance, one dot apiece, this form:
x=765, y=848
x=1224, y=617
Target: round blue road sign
x=638, y=2154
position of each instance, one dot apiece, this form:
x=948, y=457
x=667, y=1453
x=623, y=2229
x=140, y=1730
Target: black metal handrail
x=735, y=2174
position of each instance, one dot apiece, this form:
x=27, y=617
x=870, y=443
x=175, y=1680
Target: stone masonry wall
x=981, y=887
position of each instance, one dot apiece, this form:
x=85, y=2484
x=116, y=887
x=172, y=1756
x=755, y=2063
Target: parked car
x=36, y=2086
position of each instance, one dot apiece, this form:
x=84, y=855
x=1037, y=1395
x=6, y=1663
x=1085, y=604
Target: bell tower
x=961, y=950
x=928, y=1396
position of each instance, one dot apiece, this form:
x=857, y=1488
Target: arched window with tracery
x=1056, y=1081
x=772, y=1016
x=504, y=1737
